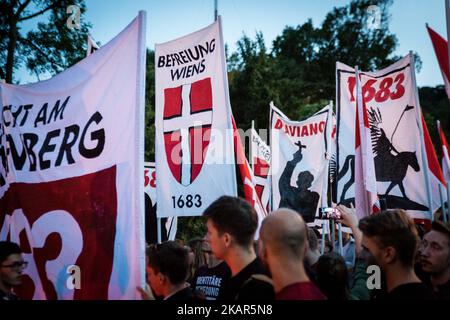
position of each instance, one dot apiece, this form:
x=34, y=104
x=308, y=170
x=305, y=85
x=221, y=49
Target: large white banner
x=71, y=191
x=389, y=95
x=299, y=166
x=194, y=136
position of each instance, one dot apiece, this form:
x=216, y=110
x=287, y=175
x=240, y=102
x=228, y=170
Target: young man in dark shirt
x=435, y=258
x=231, y=224
x=211, y=279
x=392, y=239
x=11, y=267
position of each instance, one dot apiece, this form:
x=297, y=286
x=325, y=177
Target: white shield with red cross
x=187, y=121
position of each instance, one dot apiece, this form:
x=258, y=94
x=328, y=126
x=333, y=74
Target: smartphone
x=329, y=214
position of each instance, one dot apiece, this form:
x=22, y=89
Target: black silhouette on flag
x=349, y=166
x=392, y=165
x=298, y=198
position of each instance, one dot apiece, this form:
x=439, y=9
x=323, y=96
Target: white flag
x=299, y=161
x=194, y=136
x=389, y=95
x=71, y=191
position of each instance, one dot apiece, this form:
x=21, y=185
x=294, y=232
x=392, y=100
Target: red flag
x=247, y=177
x=436, y=176
x=445, y=153
x=441, y=50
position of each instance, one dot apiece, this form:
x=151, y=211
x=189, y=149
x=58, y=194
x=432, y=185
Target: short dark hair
x=393, y=228
x=443, y=227
x=171, y=259
x=235, y=216
x=332, y=276
x=313, y=242
x=8, y=248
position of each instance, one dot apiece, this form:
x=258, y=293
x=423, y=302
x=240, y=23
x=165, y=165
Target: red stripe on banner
x=172, y=102
x=259, y=190
x=89, y=204
x=201, y=95
x=172, y=142
x=440, y=48
x=199, y=142
x=443, y=138
x=260, y=167
x=433, y=162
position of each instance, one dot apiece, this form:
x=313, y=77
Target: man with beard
x=11, y=267
x=435, y=258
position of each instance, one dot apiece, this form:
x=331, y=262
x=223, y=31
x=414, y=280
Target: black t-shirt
x=443, y=290
x=410, y=291
x=7, y=297
x=185, y=294
x=243, y=287
x=211, y=281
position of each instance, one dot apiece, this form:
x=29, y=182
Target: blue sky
x=169, y=19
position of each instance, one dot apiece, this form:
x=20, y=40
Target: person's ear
x=389, y=254
x=161, y=278
x=227, y=238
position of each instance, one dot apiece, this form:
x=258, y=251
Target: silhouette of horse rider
x=298, y=198
x=390, y=164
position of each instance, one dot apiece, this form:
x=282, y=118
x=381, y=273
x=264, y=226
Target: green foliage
x=435, y=106
x=150, y=107
x=190, y=227
x=52, y=47
x=299, y=73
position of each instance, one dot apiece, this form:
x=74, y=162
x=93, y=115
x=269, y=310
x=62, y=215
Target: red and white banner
x=248, y=179
x=194, y=136
x=445, y=162
x=71, y=192
x=441, y=49
x=366, y=199
x=260, y=161
x=299, y=167
x=393, y=116
x=168, y=225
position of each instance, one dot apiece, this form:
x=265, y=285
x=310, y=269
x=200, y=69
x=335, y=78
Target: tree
x=150, y=107
x=52, y=48
x=299, y=73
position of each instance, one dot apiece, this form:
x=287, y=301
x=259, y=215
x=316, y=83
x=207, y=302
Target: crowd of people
x=286, y=262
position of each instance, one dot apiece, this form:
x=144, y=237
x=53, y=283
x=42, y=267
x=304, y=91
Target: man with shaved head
x=283, y=244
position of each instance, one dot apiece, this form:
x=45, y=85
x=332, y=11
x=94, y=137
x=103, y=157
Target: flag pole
x=322, y=245
x=441, y=196
x=250, y=151
x=333, y=233
x=215, y=10
x=140, y=102
x=448, y=200
x=424, y=153
x=447, y=15
x=158, y=230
